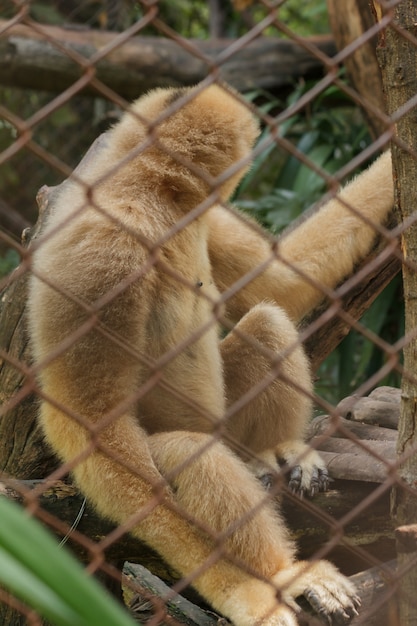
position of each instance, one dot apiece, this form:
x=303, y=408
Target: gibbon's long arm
x=325, y=247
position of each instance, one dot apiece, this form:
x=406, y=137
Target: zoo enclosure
x=83, y=66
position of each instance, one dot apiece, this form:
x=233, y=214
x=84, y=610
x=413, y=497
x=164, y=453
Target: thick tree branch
x=350, y=21
x=46, y=59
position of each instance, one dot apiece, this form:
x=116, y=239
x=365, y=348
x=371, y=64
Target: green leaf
x=47, y=577
x=292, y=166
x=306, y=177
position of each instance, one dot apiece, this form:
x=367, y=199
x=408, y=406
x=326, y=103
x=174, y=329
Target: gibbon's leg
x=263, y=352
x=237, y=511
x=326, y=247
x=139, y=496
x=135, y=496
x=195, y=465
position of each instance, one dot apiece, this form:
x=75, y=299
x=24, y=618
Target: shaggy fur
x=128, y=280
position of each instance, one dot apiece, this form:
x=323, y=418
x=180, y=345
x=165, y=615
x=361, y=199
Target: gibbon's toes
x=267, y=480
x=306, y=469
x=295, y=483
x=335, y=603
x=320, y=480
x=310, y=483
x=335, y=616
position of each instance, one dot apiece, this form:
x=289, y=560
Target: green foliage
x=8, y=262
x=47, y=577
x=305, y=18
x=190, y=18
x=281, y=186
x=358, y=357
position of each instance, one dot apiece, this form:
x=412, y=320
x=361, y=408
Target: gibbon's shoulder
x=172, y=130
x=189, y=114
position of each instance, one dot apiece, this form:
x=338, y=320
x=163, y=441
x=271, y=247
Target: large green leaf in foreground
x=45, y=576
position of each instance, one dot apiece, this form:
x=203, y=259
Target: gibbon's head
x=189, y=138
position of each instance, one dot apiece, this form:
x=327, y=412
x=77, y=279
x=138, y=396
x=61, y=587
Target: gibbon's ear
x=211, y=131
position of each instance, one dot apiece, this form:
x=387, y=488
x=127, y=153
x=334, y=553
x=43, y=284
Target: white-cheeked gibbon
x=159, y=417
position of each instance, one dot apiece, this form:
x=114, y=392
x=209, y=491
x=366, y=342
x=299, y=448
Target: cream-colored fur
x=155, y=415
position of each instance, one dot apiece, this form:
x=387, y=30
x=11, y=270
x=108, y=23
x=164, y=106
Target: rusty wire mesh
x=323, y=527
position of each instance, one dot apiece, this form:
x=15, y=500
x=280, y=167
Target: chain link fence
x=179, y=316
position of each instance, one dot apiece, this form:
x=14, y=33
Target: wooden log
x=149, y=596
x=338, y=445
x=58, y=505
x=406, y=537
x=23, y=451
x=325, y=425
x=396, y=55
x=38, y=59
x=310, y=522
x=350, y=20
x=155, y=599
x=377, y=589
x=370, y=411
x=367, y=536
x=380, y=267
x=386, y=394
x=360, y=466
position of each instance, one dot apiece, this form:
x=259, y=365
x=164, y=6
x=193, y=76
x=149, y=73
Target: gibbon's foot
x=320, y=588
x=331, y=614
x=340, y=616
x=267, y=480
x=307, y=471
x=319, y=481
x=296, y=463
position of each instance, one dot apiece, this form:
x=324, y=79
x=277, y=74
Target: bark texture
x=350, y=21
x=52, y=59
x=397, y=53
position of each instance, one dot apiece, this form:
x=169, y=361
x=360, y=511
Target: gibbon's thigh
x=266, y=369
x=213, y=486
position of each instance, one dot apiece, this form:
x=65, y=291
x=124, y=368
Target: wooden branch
x=386, y=394
x=61, y=504
x=406, y=537
x=23, y=451
x=337, y=445
x=312, y=530
x=154, y=598
x=377, y=590
x=359, y=298
x=36, y=59
x=396, y=55
x=361, y=466
x=366, y=419
x=324, y=424
x=370, y=411
x=349, y=21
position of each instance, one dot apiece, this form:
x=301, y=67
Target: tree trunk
x=23, y=453
x=397, y=53
x=350, y=20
